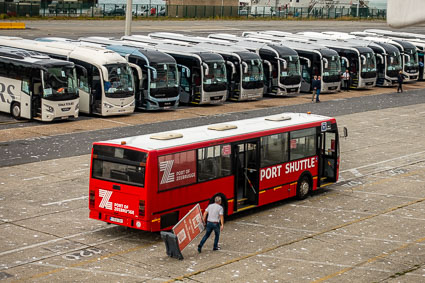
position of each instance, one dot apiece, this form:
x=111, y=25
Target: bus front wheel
x=303, y=187
x=16, y=110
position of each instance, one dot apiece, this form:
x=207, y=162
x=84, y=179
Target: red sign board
x=177, y=170
x=189, y=227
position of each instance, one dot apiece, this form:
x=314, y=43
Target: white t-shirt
x=214, y=211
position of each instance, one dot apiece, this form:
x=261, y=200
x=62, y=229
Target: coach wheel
x=16, y=110
x=303, y=187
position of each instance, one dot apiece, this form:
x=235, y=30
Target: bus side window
x=302, y=143
x=214, y=162
x=25, y=86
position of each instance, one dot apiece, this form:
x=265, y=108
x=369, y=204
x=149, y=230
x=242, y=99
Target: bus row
x=56, y=78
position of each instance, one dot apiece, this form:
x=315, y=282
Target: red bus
x=150, y=182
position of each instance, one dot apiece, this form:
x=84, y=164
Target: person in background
x=400, y=79
x=215, y=222
x=318, y=87
x=313, y=84
x=346, y=80
x=421, y=69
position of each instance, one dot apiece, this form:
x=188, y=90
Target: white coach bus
x=34, y=86
x=105, y=80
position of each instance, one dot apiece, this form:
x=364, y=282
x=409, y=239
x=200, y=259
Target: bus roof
x=125, y=48
x=199, y=134
x=30, y=59
x=253, y=45
x=297, y=45
x=90, y=54
x=176, y=48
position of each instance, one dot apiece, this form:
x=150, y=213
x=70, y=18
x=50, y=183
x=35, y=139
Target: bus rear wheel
x=16, y=110
x=303, y=187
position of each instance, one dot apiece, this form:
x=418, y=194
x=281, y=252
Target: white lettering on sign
x=271, y=172
x=300, y=165
x=291, y=167
x=105, y=203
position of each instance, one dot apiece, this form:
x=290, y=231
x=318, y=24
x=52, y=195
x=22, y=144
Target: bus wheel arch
x=304, y=185
x=224, y=203
x=15, y=110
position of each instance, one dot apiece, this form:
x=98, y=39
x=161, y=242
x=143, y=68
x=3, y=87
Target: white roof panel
x=202, y=133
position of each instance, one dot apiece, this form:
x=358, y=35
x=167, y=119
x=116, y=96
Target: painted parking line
x=370, y=260
x=97, y=271
x=64, y=201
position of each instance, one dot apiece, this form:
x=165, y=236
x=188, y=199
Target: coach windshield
x=59, y=83
x=120, y=82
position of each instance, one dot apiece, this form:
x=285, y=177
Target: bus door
x=26, y=99
x=305, y=78
x=328, y=148
x=185, y=84
x=246, y=158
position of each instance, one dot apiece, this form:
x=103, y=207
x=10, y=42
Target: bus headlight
x=77, y=106
x=49, y=108
x=107, y=105
x=133, y=103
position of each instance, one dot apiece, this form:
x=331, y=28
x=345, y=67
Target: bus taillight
x=141, y=207
x=91, y=198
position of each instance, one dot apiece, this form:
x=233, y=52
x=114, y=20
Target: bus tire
x=15, y=110
x=223, y=203
x=303, y=187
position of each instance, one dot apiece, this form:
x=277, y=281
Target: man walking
x=400, y=79
x=346, y=80
x=215, y=222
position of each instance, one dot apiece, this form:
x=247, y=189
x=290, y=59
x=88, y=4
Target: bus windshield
x=333, y=67
x=120, y=80
x=59, y=83
x=216, y=73
x=254, y=72
x=413, y=58
x=394, y=62
x=166, y=76
x=292, y=66
x=368, y=62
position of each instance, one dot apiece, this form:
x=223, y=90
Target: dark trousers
x=317, y=94
x=400, y=87
x=211, y=227
x=346, y=84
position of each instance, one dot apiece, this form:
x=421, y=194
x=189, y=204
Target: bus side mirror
x=407, y=56
x=392, y=60
x=245, y=67
x=207, y=68
x=326, y=63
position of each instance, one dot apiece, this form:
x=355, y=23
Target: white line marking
x=356, y=172
x=383, y=161
x=33, y=178
x=97, y=271
x=118, y=122
x=63, y=201
x=311, y=261
x=53, y=241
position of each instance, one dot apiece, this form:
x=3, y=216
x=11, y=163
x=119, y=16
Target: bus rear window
x=121, y=153
x=119, y=165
